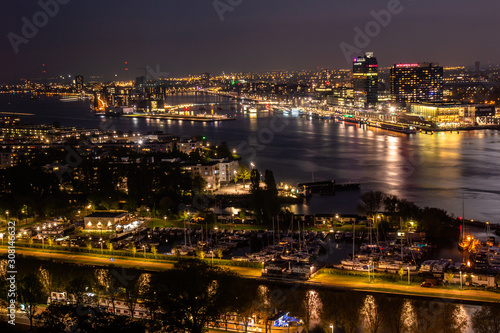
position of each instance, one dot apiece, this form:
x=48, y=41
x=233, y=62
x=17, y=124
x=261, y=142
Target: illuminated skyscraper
x=365, y=80
x=79, y=83
x=422, y=82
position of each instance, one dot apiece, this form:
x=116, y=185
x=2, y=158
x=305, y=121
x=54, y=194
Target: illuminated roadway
x=335, y=281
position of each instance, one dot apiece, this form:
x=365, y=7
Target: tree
x=401, y=273
x=77, y=287
x=55, y=318
x=371, y=203
x=199, y=183
x=255, y=181
x=220, y=253
x=271, y=202
x=109, y=245
x=154, y=250
x=393, y=313
x=199, y=253
x=29, y=292
x=349, y=312
x=448, y=276
x=134, y=249
x=305, y=304
x=438, y=317
x=134, y=288
x=487, y=319
x=246, y=300
x=191, y=295
x=371, y=314
x=243, y=173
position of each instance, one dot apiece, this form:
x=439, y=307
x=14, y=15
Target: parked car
x=427, y=285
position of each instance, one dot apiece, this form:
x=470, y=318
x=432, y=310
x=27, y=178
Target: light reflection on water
x=431, y=170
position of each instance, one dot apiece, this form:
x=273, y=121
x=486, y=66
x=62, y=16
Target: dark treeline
x=440, y=227
x=193, y=294
x=50, y=188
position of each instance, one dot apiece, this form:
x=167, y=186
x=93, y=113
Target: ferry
x=352, y=120
x=391, y=126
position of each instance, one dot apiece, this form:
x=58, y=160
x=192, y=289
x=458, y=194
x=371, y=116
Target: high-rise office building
x=79, y=83
x=365, y=80
x=422, y=82
x=205, y=79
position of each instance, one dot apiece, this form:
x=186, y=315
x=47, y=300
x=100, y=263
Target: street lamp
x=1, y=236
x=235, y=179
x=165, y=218
x=460, y=279
x=332, y=327
x=212, y=252
x=408, y=275
x=100, y=241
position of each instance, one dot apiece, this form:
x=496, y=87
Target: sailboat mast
x=353, y=238
x=401, y=235
x=463, y=216
x=274, y=241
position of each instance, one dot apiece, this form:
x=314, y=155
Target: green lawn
x=161, y=223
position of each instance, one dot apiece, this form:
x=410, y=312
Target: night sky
x=96, y=37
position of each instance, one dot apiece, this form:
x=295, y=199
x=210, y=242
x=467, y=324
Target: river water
x=442, y=170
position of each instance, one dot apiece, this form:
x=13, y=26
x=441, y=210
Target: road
x=362, y=284
x=121, y=262
x=323, y=279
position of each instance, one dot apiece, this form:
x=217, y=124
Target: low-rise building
x=209, y=172
x=452, y=115
x=7, y=159
x=228, y=170
x=188, y=146
x=104, y=220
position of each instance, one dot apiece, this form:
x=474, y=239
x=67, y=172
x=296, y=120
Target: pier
x=200, y=118
x=327, y=187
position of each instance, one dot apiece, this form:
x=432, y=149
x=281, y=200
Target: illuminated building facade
x=422, y=82
x=365, y=80
x=79, y=83
x=453, y=115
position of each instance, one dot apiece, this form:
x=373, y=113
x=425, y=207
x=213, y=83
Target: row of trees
x=264, y=201
x=193, y=294
x=437, y=223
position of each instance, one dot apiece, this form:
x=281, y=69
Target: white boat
x=362, y=268
x=427, y=265
x=441, y=265
x=412, y=268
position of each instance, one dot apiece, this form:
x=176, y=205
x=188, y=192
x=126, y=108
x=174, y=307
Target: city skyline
x=99, y=38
